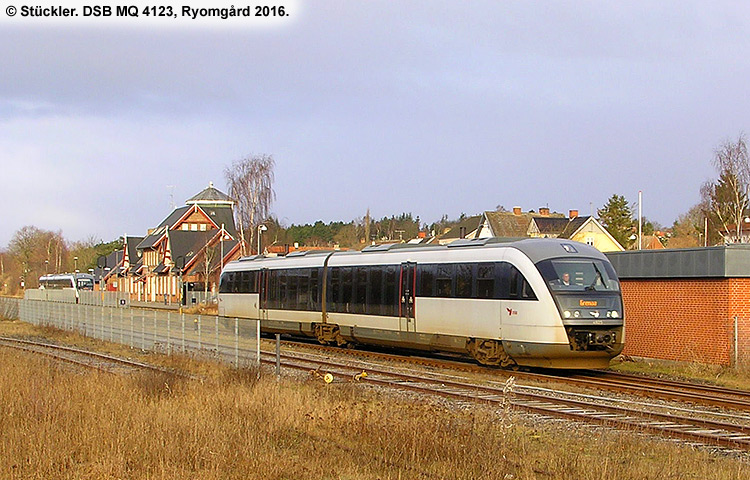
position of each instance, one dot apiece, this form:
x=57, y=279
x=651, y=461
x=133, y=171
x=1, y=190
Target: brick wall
x=687, y=319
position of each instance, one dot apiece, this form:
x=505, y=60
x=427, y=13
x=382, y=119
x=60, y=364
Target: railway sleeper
x=489, y=352
x=329, y=334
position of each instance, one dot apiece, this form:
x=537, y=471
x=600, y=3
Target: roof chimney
x=544, y=211
x=516, y=210
x=572, y=214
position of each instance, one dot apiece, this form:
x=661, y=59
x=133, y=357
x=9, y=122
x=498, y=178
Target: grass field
x=57, y=422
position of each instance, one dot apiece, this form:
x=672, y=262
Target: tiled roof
x=470, y=223
x=211, y=196
x=508, y=224
x=551, y=225
x=573, y=226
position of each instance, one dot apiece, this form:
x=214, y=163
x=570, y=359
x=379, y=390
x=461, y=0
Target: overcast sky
x=397, y=106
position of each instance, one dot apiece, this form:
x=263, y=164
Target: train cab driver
x=562, y=281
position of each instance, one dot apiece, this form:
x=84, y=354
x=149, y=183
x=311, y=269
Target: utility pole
x=640, y=221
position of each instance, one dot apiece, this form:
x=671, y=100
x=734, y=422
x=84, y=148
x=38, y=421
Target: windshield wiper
x=599, y=277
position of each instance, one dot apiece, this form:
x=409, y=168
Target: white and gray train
x=531, y=302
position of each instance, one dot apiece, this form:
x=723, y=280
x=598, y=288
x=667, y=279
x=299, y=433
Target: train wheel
x=329, y=334
x=489, y=352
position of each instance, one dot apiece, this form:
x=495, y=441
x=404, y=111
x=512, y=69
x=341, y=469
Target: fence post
x=217, y=335
x=143, y=330
x=236, y=343
x=183, y=332
x=200, y=346
x=257, y=344
x=736, y=344
x=278, y=356
x=169, y=333
x=155, y=340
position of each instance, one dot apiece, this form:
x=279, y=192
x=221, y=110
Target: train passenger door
x=407, y=286
x=263, y=294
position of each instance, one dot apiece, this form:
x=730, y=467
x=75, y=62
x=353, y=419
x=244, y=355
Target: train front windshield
x=579, y=275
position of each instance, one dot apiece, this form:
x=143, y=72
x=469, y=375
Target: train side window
x=253, y=287
x=314, y=295
x=527, y=293
x=359, y=302
x=292, y=285
x=303, y=289
x=225, y=283
x=444, y=281
x=283, y=286
x=346, y=289
x=485, y=280
x=519, y=286
x=426, y=280
x=273, y=288
x=245, y=283
x=513, y=283
x=463, y=280
x=390, y=297
x=375, y=294
x=334, y=293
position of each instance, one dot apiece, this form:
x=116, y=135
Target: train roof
x=536, y=249
x=58, y=276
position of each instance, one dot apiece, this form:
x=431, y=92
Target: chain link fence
x=9, y=307
x=235, y=340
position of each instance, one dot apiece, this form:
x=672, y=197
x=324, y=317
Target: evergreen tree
x=617, y=218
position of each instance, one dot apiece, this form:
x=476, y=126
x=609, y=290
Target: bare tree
x=728, y=198
x=250, y=182
x=210, y=253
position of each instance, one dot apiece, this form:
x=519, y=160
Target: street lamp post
x=180, y=264
x=75, y=264
x=261, y=228
x=46, y=265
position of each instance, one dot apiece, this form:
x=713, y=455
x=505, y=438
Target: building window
x=203, y=227
x=590, y=241
x=194, y=227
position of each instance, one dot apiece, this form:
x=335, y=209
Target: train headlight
x=609, y=314
x=566, y=314
x=576, y=314
x=615, y=314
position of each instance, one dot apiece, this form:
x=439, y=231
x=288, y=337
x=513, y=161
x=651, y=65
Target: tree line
x=720, y=214
x=717, y=218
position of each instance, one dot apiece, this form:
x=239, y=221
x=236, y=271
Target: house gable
x=591, y=232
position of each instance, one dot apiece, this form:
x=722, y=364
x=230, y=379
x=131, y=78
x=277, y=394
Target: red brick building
x=687, y=305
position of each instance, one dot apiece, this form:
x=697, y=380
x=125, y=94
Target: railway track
x=82, y=358
x=694, y=429
x=724, y=430
x=639, y=385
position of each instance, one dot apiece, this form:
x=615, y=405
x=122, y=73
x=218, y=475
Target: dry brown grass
x=202, y=309
x=732, y=377
x=59, y=423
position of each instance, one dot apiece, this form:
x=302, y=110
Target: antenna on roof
x=171, y=196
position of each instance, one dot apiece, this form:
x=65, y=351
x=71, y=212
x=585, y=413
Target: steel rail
x=697, y=430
